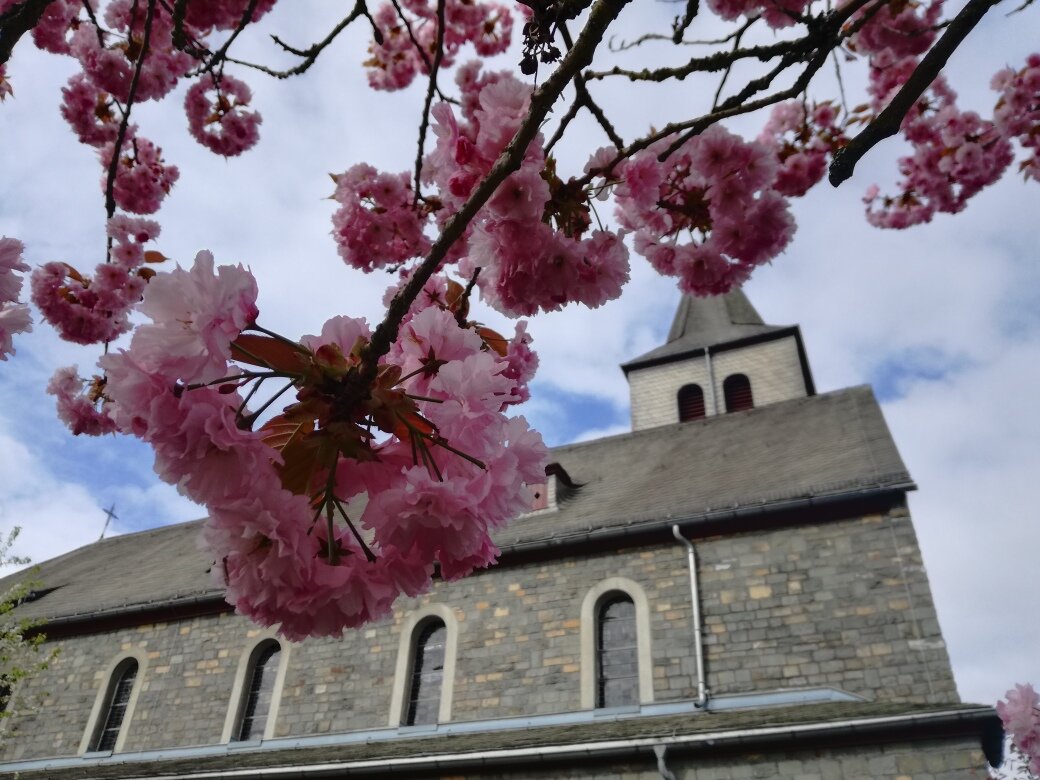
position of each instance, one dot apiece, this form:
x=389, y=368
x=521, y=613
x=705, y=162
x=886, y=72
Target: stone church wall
x=843, y=604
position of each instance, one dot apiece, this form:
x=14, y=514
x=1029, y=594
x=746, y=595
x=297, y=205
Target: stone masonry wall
x=843, y=604
x=773, y=367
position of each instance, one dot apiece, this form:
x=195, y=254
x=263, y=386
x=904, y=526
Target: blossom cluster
x=529, y=248
x=804, y=140
x=1020, y=714
x=955, y=153
x=124, y=45
x=14, y=316
x=1018, y=110
x=96, y=309
x=289, y=547
x=709, y=214
x=409, y=32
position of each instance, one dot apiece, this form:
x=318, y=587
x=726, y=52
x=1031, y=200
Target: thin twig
x=887, y=123
x=218, y=56
x=725, y=75
x=585, y=99
x=310, y=54
x=117, y=151
x=425, y=123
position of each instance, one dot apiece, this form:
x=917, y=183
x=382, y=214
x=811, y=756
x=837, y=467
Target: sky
x=941, y=319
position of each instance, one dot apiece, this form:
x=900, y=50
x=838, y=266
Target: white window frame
x=590, y=608
x=243, y=677
x=410, y=632
x=103, y=700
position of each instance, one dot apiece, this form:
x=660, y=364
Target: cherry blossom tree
x=343, y=469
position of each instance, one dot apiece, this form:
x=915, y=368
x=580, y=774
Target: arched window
x=258, y=693
x=691, y=403
x=737, y=390
x=616, y=657
x=427, y=677
x=617, y=668
x=120, y=688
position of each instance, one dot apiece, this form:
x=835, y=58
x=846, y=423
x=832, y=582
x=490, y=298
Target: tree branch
x=17, y=22
x=117, y=150
x=680, y=25
x=425, y=123
x=887, y=123
x=600, y=17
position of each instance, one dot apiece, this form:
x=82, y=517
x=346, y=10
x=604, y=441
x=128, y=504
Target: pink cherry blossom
x=195, y=315
x=1017, y=114
x=14, y=319
x=1020, y=714
x=88, y=111
x=143, y=178
x=221, y=123
x=377, y=223
x=709, y=215
x=77, y=406
x=83, y=309
x=11, y=263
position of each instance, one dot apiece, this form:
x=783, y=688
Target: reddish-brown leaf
x=151, y=256
x=267, y=352
x=72, y=273
x=494, y=340
x=300, y=455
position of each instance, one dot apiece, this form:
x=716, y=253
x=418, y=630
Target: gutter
x=855, y=730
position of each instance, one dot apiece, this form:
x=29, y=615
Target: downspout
x=661, y=751
x=698, y=638
x=711, y=381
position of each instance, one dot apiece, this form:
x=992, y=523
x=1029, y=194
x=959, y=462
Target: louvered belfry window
x=424, y=695
x=257, y=703
x=737, y=389
x=122, y=686
x=691, y=403
x=617, y=670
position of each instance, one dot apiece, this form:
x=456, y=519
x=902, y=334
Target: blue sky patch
x=893, y=377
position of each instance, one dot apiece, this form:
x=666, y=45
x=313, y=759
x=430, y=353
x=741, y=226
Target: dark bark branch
x=679, y=28
x=17, y=22
x=710, y=64
x=425, y=123
x=310, y=54
x=117, y=151
x=729, y=69
x=887, y=123
x=585, y=99
x=219, y=55
x=602, y=14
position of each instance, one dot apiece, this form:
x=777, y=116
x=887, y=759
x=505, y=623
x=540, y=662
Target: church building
x=732, y=590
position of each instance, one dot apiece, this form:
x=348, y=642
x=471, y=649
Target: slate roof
x=820, y=445
x=711, y=321
x=872, y=721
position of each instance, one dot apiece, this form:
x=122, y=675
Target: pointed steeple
x=707, y=322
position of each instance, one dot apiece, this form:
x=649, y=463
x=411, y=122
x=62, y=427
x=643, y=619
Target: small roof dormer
x=720, y=357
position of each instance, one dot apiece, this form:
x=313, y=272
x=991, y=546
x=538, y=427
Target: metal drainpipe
x=698, y=639
x=711, y=381
x=661, y=751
